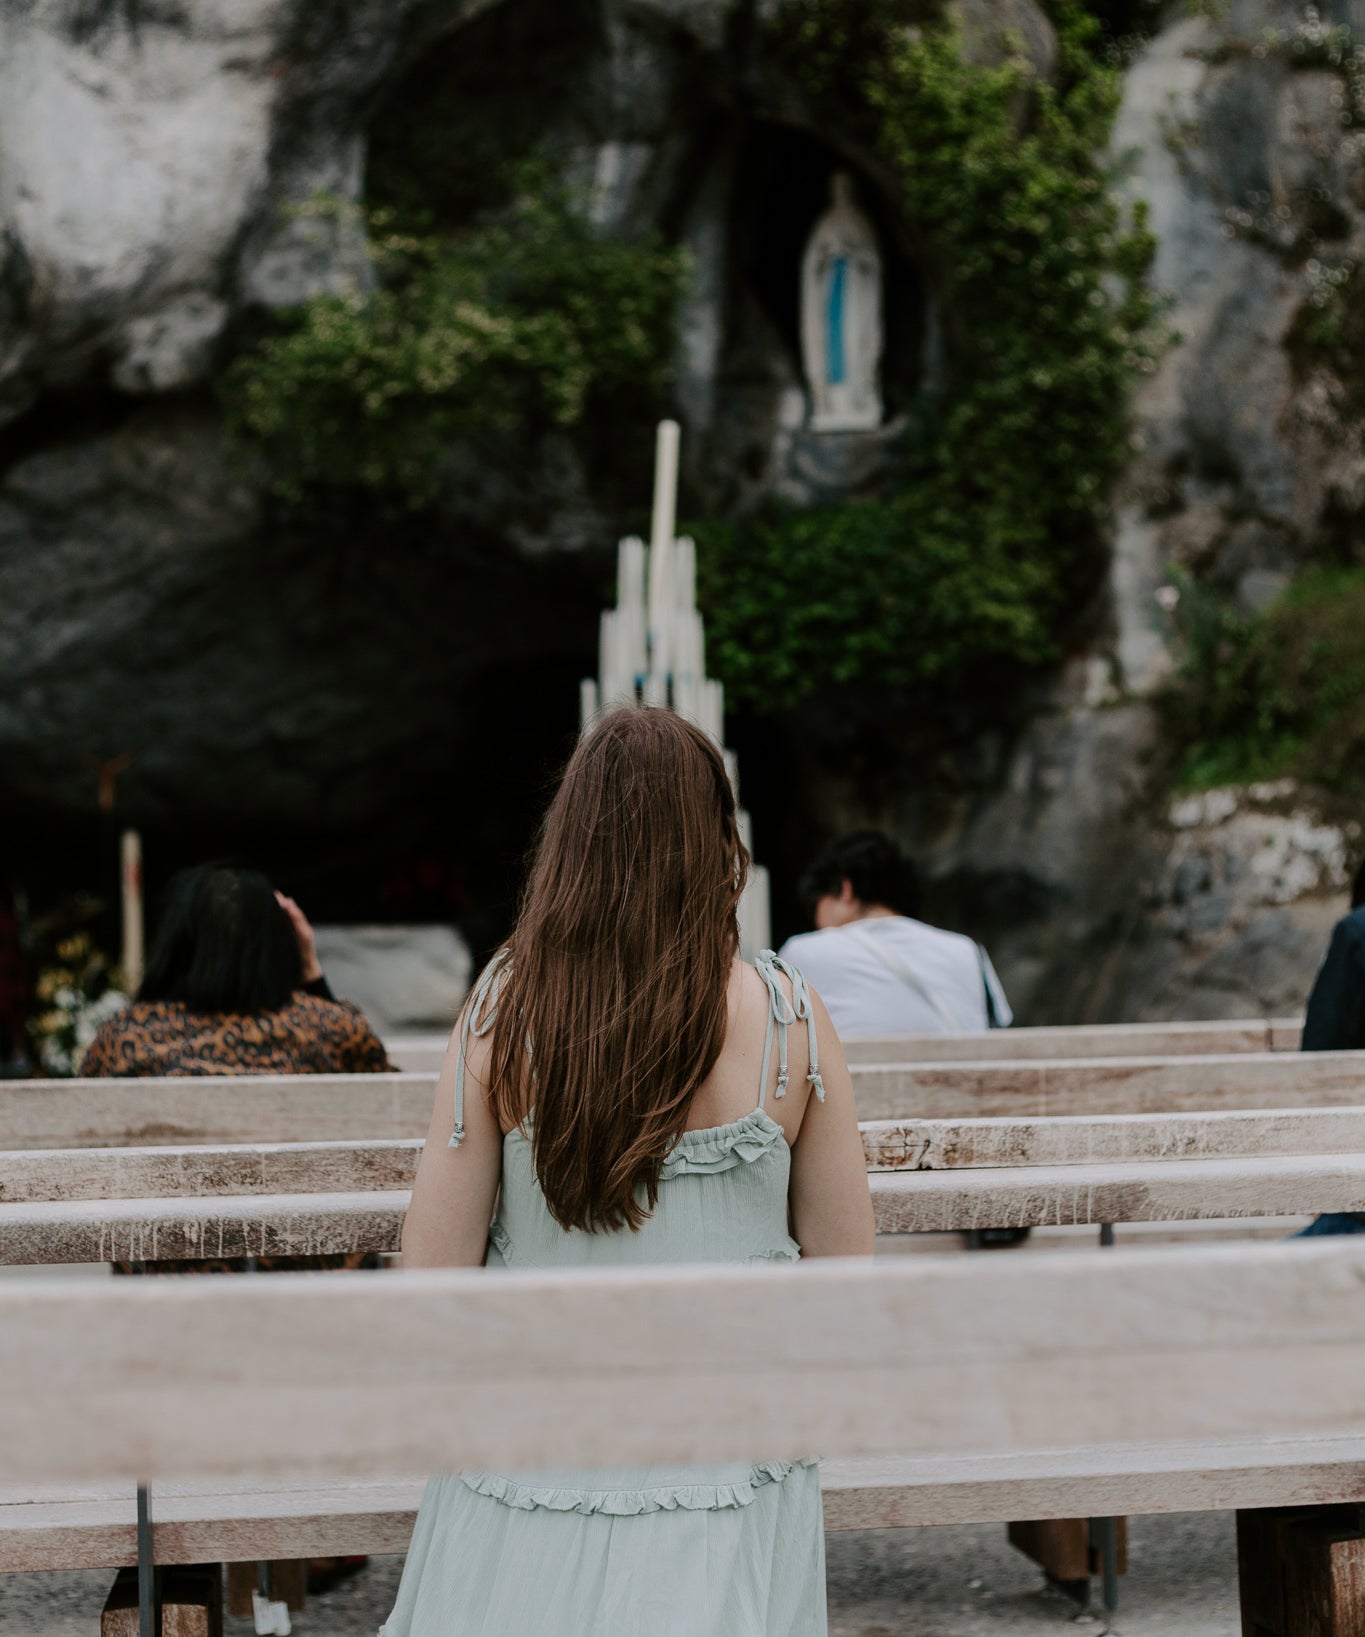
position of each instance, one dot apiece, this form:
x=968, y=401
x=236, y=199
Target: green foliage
x=875, y=591
x=1277, y=693
x=525, y=320
x=993, y=538
x=1329, y=328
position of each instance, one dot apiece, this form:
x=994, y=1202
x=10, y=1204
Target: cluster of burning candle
x=652, y=651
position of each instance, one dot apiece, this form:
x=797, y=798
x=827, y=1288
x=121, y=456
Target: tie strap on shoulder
x=781, y=1014
x=480, y=1014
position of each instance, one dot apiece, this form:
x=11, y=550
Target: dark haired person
x=1335, y=1021
x=879, y=969
x=624, y=1089
x=233, y=986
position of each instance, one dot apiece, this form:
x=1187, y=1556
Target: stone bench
x=939, y=1390
x=314, y=1108
x=423, y=1053
x=92, y=1205
x=240, y=1199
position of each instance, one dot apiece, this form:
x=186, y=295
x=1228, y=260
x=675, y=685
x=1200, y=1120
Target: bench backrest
x=362, y=1373
x=1083, y=1040
x=423, y=1053
x=294, y=1199
x=897, y=1146
x=320, y=1108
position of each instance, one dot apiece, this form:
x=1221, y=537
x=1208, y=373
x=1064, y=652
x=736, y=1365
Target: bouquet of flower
x=77, y=996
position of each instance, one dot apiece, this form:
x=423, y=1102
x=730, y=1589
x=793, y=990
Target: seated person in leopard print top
x=233, y=986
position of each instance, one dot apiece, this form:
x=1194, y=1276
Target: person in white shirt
x=878, y=969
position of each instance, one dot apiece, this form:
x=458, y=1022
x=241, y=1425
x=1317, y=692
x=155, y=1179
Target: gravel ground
x=957, y=1582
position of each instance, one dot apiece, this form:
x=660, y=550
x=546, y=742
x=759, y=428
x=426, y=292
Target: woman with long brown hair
x=624, y=1089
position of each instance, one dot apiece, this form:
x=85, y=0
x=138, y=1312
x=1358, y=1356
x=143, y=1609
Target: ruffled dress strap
x=480, y=1014
x=782, y=1013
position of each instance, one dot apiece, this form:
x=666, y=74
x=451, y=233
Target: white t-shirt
x=860, y=971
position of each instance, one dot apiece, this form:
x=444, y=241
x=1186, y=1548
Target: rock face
x=148, y=154
x=160, y=173
x=160, y=168
x=1235, y=134
x=1241, y=914
x=137, y=576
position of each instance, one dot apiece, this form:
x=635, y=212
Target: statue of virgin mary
x=841, y=316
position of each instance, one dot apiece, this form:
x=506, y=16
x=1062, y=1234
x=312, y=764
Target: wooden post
x=1301, y=1572
x=1061, y=1548
x=130, y=860
x=190, y=1603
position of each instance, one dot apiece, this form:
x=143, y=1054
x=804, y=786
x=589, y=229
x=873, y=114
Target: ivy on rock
x=993, y=537
x=525, y=319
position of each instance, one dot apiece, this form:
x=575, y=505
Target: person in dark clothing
x=1335, y=1021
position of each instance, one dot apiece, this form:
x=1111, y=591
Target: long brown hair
x=612, y=1007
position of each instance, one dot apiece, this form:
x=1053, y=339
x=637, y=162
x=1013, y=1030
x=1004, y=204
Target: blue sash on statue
x=834, y=318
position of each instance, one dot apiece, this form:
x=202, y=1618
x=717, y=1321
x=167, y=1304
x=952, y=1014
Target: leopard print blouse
x=308, y=1036
x=313, y=1034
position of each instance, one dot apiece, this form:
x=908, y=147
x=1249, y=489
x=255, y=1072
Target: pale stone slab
x=927, y=1145
x=1080, y=1040
x=361, y=1373
x=195, y=1523
x=1124, y=1085
x=1150, y=1191
x=192, y=1229
x=322, y=1108
x=203, y=1172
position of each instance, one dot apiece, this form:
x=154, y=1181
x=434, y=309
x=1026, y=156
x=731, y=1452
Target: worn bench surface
x=422, y=1053
x=889, y=1145
x=936, y=1176
x=191, y=1227
x=1083, y=1040
x=943, y=1356
x=244, y=1521
x=319, y=1108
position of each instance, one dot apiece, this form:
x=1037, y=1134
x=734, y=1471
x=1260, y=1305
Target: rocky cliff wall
x=1239, y=133
x=156, y=171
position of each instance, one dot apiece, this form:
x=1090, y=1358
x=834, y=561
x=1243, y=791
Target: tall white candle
x=632, y=617
x=661, y=529
x=755, y=914
x=587, y=703
x=133, y=932
x=685, y=571
x=714, y=706
x=630, y=573
x=604, y=653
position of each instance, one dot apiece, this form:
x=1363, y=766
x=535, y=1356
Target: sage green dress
x=728, y=1549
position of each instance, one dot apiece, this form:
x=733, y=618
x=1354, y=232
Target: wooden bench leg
x=1059, y=1546
x=1260, y=1571
x=1062, y=1548
x=1301, y=1572
x=189, y=1603
x=119, y=1617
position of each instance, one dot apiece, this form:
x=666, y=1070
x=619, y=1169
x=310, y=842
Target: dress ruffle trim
x=630, y=1503
x=723, y=1147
